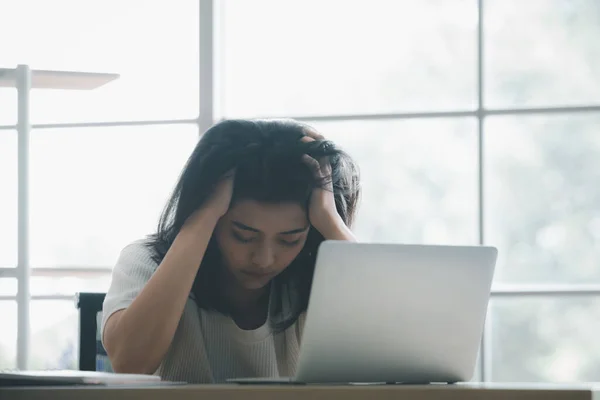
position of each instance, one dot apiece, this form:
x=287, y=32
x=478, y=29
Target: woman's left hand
x=322, y=212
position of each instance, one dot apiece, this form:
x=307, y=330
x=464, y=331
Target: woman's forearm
x=138, y=337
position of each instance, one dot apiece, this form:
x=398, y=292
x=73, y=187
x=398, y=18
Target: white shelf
x=67, y=80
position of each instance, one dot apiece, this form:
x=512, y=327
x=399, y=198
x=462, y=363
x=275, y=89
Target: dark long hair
x=267, y=156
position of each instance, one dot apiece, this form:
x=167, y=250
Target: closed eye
x=289, y=243
x=241, y=238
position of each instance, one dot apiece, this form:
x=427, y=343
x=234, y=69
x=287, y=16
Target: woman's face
x=259, y=240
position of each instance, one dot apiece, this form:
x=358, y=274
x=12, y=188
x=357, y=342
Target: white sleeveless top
x=208, y=347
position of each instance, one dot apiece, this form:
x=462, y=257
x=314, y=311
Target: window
x=561, y=69
x=419, y=178
x=159, y=80
x=473, y=121
x=54, y=342
x=546, y=339
x=310, y=57
x=8, y=199
x=94, y=189
x=8, y=334
x=542, y=207
x=8, y=105
x=102, y=162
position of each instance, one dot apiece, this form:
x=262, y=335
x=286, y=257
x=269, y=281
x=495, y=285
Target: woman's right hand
x=217, y=205
x=220, y=199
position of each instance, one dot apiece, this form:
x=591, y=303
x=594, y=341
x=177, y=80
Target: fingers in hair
x=312, y=164
x=312, y=133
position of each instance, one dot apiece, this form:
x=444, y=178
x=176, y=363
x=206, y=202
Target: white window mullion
x=206, y=113
x=23, y=267
x=485, y=349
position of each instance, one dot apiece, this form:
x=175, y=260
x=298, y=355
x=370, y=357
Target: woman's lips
x=256, y=274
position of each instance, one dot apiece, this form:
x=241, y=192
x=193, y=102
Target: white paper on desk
x=66, y=377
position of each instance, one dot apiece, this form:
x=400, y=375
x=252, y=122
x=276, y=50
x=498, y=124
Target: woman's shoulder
x=140, y=246
x=137, y=254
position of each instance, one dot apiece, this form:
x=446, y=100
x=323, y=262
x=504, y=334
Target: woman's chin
x=253, y=282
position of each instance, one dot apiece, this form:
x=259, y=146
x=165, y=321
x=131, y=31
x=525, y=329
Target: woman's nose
x=263, y=256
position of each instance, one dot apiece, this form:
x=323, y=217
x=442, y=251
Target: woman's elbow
x=123, y=357
x=127, y=365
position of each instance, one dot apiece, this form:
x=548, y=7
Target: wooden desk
x=234, y=392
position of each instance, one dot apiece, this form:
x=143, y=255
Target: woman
x=220, y=290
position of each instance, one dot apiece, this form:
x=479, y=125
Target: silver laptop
x=394, y=313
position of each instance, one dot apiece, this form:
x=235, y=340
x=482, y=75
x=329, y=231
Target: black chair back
x=92, y=355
